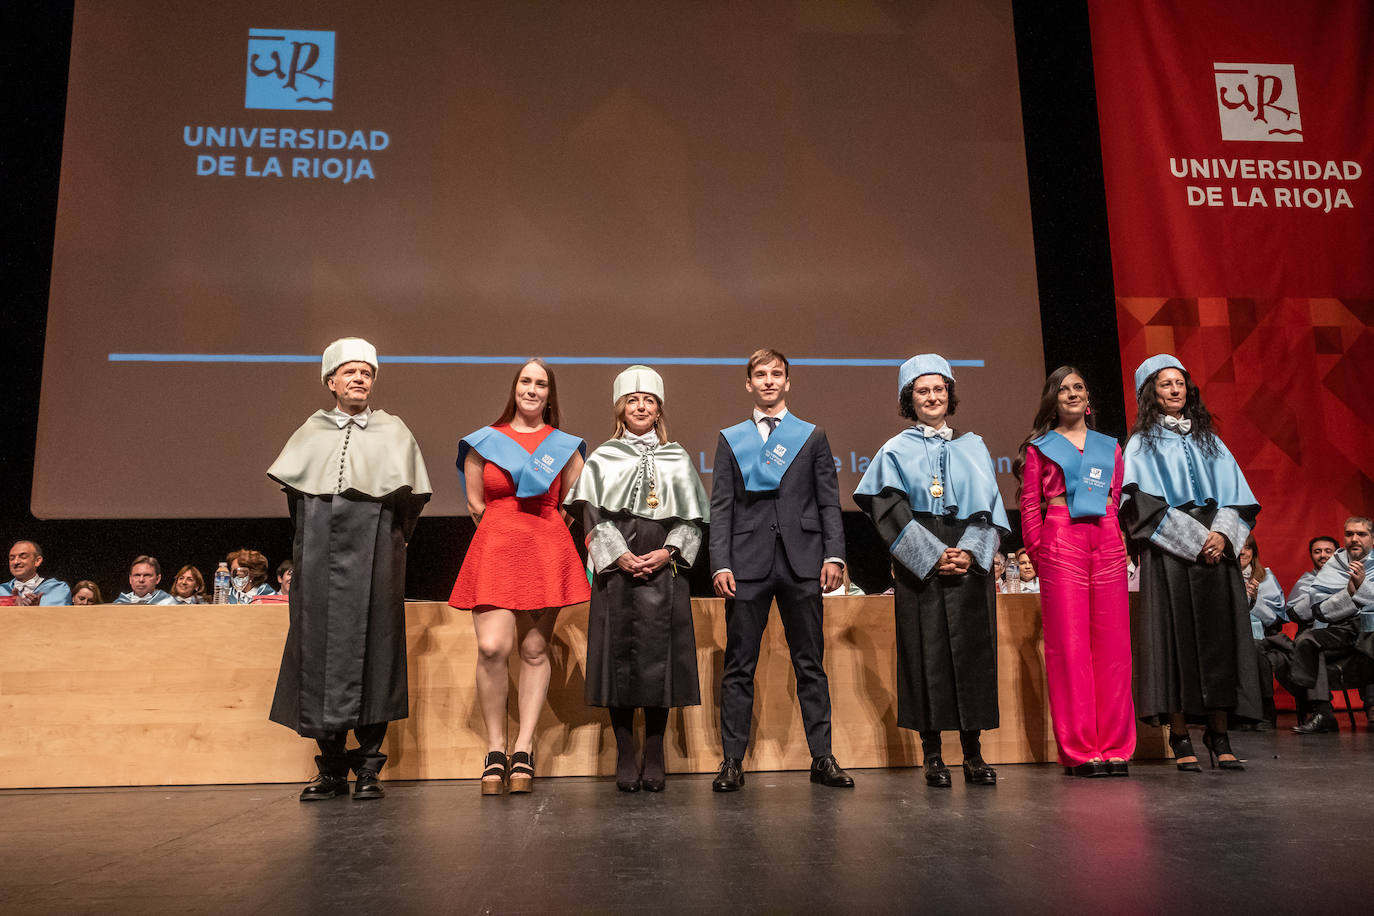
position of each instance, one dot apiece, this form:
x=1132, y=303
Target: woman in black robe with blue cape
x=933, y=496
x=1187, y=507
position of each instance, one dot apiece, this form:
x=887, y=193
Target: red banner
x=1237, y=149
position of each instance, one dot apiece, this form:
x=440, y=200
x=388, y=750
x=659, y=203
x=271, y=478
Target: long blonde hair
x=660, y=423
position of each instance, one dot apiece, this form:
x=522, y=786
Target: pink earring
x=1087, y=411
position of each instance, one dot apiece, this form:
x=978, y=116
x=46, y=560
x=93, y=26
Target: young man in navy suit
x=776, y=532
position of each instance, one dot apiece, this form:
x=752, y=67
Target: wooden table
x=136, y=695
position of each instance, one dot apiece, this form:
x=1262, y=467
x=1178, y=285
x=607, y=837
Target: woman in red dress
x=521, y=566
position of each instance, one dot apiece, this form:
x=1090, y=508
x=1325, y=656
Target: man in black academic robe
x=355, y=483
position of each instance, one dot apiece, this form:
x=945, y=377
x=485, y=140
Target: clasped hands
x=1212, y=549
x=954, y=562
x=1356, y=576
x=642, y=567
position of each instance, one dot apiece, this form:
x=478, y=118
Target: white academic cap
x=347, y=350
x=922, y=364
x=1153, y=365
x=637, y=378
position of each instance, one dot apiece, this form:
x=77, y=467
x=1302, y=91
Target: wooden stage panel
x=119, y=695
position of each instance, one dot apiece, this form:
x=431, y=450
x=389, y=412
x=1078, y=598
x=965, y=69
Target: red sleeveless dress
x=522, y=557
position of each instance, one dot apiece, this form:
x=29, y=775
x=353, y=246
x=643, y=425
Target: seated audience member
x=1365, y=646
x=189, y=586
x=28, y=587
x=1319, y=550
x=144, y=575
x=283, y=582
x=1030, y=582
x=1267, y=617
x=86, y=592
x=248, y=572
x=1332, y=602
x=284, y=578
x=999, y=571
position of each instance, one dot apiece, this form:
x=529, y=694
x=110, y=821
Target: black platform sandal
x=521, y=772
x=1218, y=743
x=494, y=773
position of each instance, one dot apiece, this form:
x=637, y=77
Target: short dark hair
x=762, y=357
x=1321, y=537
x=145, y=560
x=37, y=547
x=907, y=408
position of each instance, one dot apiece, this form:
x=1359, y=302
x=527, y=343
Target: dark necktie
x=772, y=423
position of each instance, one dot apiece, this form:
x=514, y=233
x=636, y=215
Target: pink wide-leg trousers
x=1083, y=607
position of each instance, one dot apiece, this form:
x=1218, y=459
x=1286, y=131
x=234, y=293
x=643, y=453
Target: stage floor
x=1291, y=832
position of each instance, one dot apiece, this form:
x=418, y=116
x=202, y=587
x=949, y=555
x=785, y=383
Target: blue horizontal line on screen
x=861, y=362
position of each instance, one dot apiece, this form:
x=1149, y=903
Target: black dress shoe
x=324, y=786
x=979, y=773
x=937, y=774
x=367, y=786
x=827, y=772
x=1090, y=769
x=731, y=776
x=1318, y=723
x=1118, y=768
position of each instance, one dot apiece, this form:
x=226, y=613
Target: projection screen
x=597, y=183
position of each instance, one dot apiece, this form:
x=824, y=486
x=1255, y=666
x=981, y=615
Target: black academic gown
x=946, y=631
x=1192, y=644
x=641, y=648
x=344, y=664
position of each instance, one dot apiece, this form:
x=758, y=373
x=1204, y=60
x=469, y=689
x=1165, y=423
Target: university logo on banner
x=290, y=69
x=1258, y=102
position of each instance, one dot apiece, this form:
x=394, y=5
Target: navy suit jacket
x=804, y=511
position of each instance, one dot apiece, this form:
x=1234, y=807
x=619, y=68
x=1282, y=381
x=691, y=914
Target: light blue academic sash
x=1087, y=474
x=533, y=474
x=762, y=465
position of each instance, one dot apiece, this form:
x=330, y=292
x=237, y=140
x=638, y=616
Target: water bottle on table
x=222, y=584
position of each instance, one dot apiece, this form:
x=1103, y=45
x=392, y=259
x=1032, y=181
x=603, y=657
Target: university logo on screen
x=290, y=69
x=287, y=70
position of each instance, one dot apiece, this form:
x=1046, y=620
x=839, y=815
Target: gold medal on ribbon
x=936, y=490
x=652, y=500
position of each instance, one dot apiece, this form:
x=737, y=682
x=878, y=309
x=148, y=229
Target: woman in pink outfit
x=1070, y=489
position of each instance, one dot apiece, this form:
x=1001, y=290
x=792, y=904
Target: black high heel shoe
x=1182, y=746
x=1218, y=743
